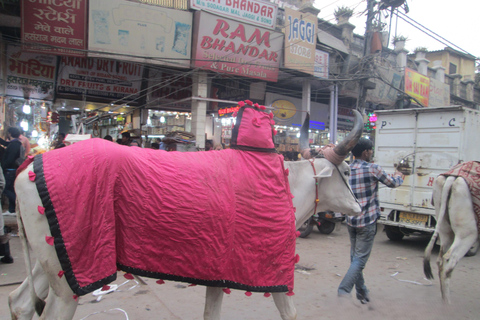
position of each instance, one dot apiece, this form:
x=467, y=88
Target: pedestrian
x=12, y=153
x=364, y=179
x=108, y=137
x=60, y=141
x=126, y=138
x=25, y=142
x=4, y=236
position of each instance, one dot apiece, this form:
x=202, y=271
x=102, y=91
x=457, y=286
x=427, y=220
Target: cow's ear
x=325, y=173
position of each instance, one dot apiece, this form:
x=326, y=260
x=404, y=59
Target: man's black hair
x=126, y=134
x=362, y=145
x=62, y=135
x=14, y=132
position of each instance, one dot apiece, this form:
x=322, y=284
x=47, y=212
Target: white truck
x=422, y=142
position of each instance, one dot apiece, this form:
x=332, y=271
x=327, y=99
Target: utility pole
x=366, y=84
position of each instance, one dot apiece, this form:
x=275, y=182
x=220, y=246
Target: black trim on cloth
x=210, y=283
x=66, y=265
x=233, y=141
x=57, y=235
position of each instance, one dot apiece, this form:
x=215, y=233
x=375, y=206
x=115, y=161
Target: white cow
x=48, y=294
x=456, y=226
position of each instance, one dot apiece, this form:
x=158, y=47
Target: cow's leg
x=60, y=302
x=285, y=305
x=464, y=226
x=213, y=303
x=19, y=300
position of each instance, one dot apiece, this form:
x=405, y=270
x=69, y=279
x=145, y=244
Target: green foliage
x=399, y=38
x=420, y=49
x=343, y=11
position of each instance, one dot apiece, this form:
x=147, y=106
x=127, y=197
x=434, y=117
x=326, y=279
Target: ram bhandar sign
x=157, y=35
x=259, y=13
x=300, y=40
x=55, y=27
x=226, y=46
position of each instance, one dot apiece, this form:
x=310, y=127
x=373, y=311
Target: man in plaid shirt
x=364, y=180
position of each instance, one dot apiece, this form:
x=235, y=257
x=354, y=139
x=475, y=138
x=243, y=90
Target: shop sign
x=226, y=46
x=225, y=112
x=30, y=75
x=259, y=13
x=321, y=64
x=439, y=94
x=100, y=78
x=160, y=35
x=300, y=40
x=418, y=86
x=224, y=88
x=55, y=27
x=167, y=87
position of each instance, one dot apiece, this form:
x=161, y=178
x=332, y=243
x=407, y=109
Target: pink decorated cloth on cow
x=470, y=171
x=218, y=218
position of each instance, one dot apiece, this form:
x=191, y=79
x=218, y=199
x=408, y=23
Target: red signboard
x=55, y=26
x=232, y=47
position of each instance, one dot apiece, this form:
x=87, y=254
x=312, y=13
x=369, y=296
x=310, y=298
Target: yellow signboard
x=417, y=86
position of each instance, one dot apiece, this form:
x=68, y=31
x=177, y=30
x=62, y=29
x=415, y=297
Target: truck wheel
x=325, y=226
x=306, y=228
x=394, y=233
x=473, y=250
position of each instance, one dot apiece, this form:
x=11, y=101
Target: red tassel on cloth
x=49, y=240
x=61, y=273
x=298, y=233
x=297, y=258
x=267, y=294
x=248, y=293
x=128, y=276
x=250, y=103
x=192, y=285
x=41, y=210
x=160, y=281
x=227, y=291
x=31, y=175
x=290, y=293
x=105, y=288
x=75, y=297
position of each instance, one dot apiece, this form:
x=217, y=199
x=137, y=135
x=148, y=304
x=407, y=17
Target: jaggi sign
x=300, y=40
x=227, y=46
x=259, y=13
x=55, y=27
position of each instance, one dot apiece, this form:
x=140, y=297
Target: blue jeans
x=9, y=190
x=361, y=240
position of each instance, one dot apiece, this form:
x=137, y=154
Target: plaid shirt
x=364, y=182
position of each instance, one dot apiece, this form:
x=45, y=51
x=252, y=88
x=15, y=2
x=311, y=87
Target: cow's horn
x=304, y=144
x=344, y=147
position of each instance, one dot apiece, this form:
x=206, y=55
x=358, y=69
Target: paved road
x=323, y=261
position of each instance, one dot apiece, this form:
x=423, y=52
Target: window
x=452, y=69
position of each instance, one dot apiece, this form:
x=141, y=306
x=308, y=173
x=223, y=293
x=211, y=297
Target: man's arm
x=383, y=177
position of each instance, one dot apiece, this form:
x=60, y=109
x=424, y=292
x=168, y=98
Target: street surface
x=394, y=275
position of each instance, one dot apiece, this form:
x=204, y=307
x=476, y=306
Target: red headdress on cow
x=253, y=130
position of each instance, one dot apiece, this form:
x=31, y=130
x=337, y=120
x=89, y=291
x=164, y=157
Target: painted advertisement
x=30, y=75
x=55, y=27
x=226, y=46
x=158, y=35
x=417, y=86
x=259, y=13
x=321, y=64
x=300, y=40
x=99, y=78
x=439, y=94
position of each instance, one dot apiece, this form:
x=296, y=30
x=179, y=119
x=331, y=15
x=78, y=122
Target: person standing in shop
x=10, y=165
x=4, y=237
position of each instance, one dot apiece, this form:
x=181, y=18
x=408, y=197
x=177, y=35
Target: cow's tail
x=38, y=303
x=447, y=187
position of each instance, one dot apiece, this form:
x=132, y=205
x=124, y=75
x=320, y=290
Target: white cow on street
x=50, y=295
x=456, y=227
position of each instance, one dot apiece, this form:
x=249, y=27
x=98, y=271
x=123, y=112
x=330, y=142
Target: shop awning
x=329, y=40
